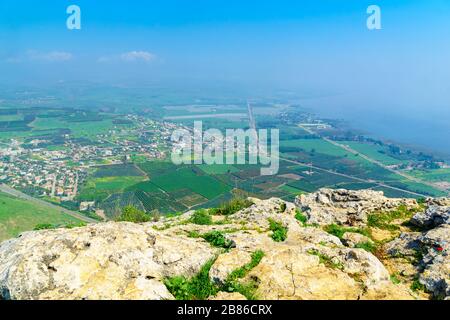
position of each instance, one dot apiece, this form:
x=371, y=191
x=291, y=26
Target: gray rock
x=351, y=239
x=346, y=207
x=433, y=217
x=406, y=245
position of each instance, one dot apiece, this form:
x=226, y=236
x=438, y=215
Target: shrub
x=75, y=225
x=199, y=287
x=217, y=239
x=232, y=206
x=248, y=288
x=384, y=220
x=421, y=200
x=279, y=232
x=201, y=217
x=368, y=246
x=194, y=234
x=417, y=286
x=244, y=270
x=47, y=226
x=44, y=226
x=339, y=231
x=178, y=287
x=301, y=217
x=131, y=214
x=395, y=279
x=283, y=207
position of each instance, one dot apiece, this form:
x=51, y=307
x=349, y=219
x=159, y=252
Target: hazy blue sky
x=316, y=46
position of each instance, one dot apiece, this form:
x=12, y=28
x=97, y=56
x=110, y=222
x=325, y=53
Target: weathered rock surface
x=351, y=239
x=130, y=261
x=101, y=261
x=433, y=217
x=346, y=207
x=430, y=253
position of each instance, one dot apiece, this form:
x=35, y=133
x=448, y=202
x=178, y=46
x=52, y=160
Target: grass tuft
x=217, y=239
x=368, y=246
x=384, y=220
x=339, y=231
x=301, y=217
x=326, y=260
x=201, y=217
x=131, y=214
x=231, y=207
x=279, y=232
x=200, y=287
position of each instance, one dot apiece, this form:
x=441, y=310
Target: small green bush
x=244, y=270
x=368, y=246
x=199, y=287
x=48, y=226
x=217, y=239
x=339, y=231
x=279, y=232
x=417, y=286
x=383, y=220
x=249, y=287
x=232, y=206
x=283, y=207
x=395, y=279
x=75, y=225
x=201, y=217
x=44, y=226
x=421, y=200
x=131, y=214
x=301, y=217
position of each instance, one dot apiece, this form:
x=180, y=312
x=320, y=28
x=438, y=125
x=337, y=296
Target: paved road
x=16, y=193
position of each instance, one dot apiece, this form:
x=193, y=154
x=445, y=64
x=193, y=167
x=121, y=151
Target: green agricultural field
x=118, y=170
x=86, y=129
x=99, y=189
x=217, y=168
x=432, y=175
x=186, y=178
x=17, y=215
x=115, y=184
x=146, y=186
x=373, y=151
x=11, y=117
x=154, y=168
x=291, y=190
x=315, y=146
x=423, y=188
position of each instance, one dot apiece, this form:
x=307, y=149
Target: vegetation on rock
x=131, y=214
x=279, y=232
x=231, y=207
x=201, y=217
x=200, y=287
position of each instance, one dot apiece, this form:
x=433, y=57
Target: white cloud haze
x=131, y=56
x=53, y=56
